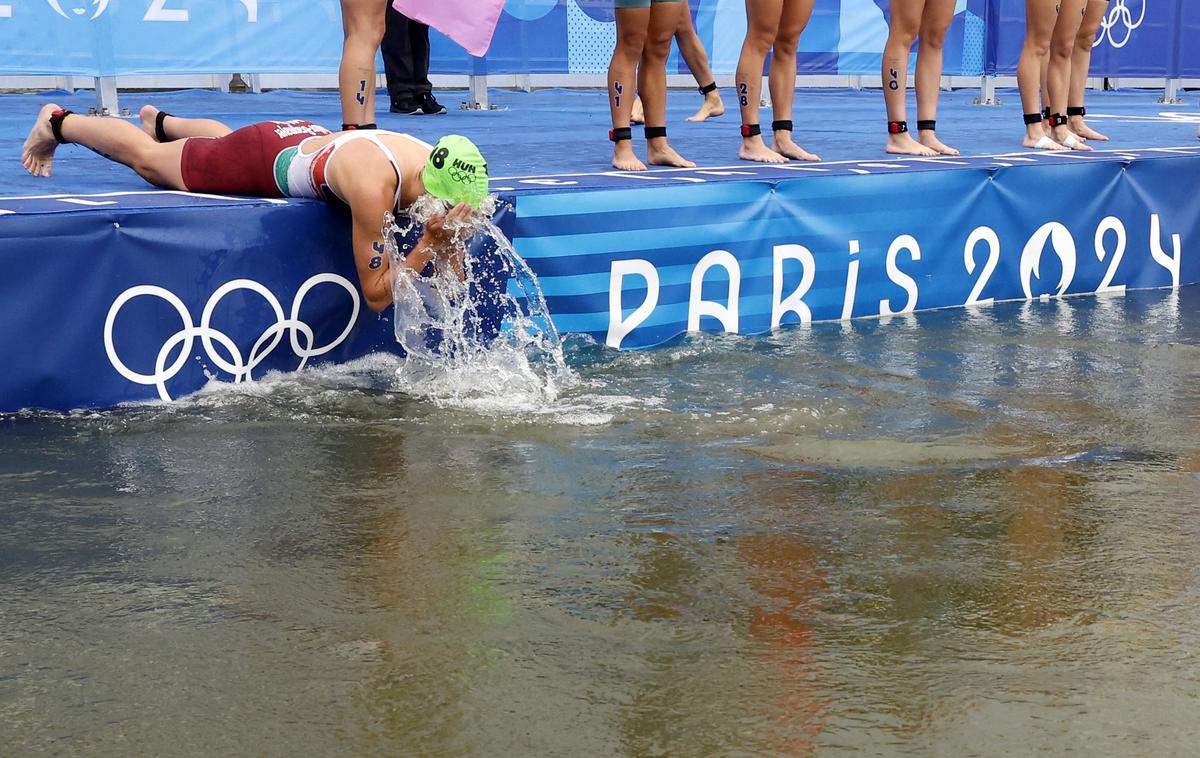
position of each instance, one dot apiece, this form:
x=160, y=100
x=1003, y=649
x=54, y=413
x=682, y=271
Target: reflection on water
x=968, y=532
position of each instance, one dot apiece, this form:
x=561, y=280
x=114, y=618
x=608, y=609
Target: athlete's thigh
x=794, y=17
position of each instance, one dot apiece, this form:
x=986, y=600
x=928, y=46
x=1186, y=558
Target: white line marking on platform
x=181, y=193
x=7, y=213
x=859, y=171
x=710, y=172
x=81, y=201
x=940, y=161
x=883, y=165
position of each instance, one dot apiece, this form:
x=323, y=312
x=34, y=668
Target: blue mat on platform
x=564, y=132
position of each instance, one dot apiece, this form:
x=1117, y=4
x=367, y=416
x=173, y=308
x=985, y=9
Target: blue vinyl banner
x=637, y=267
x=131, y=37
x=1137, y=38
x=156, y=293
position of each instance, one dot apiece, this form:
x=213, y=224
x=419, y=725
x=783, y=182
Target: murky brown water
x=960, y=533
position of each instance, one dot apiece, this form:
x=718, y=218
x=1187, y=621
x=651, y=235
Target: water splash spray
x=486, y=337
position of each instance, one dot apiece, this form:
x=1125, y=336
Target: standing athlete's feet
x=37, y=154
x=754, y=149
x=659, y=153
x=638, y=114
x=904, y=144
x=624, y=158
x=1076, y=124
x=784, y=145
x=928, y=138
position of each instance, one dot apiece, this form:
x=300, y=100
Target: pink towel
x=470, y=23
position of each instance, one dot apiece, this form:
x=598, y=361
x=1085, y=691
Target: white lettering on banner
x=241, y=368
x=1169, y=262
x=1031, y=257
x=794, y=303
x=159, y=12
x=909, y=243
x=1054, y=233
x=851, y=282
x=619, y=328
x=1110, y=224
x=988, y=235
x=697, y=307
x=5, y=11
x=251, y=10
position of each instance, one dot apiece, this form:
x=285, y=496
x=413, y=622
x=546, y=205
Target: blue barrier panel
x=133, y=296
x=633, y=268
x=114, y=37
x=112, y=305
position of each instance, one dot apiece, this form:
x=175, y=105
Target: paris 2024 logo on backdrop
x=78, y=8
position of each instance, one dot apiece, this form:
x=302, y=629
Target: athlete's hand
x=441, y=230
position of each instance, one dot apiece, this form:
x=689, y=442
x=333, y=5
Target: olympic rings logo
x=1119, y=14
x=240, y=367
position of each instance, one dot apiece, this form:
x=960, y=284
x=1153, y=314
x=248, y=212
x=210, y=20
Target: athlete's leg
x=652, y=81
x=175, y=127
x=782, y=79
x=363, y=25
x=1040, y=16
x=1058, y=78
x=906, y=22
x=1081, y=61
x=632, y=27
x=693, y=52
x=762, y=24
x=935, y=21
x=114, y=138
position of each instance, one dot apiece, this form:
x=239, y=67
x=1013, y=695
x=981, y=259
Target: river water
x=965, y=532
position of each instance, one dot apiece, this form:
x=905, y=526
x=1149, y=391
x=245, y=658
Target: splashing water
x=486, y=339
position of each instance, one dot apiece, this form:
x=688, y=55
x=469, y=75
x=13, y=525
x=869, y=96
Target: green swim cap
x=456, y=171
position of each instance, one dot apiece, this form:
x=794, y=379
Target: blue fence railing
x=846, y=37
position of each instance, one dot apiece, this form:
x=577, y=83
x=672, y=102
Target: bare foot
x=929, y=139
x=659, y=153
x=784, y=145
x=1084, y=131
x=904, y=144
x=37, y=154
x=1069, y=139
x=638, y=116
x=624, y=159
x=1041, y=141
x=713, y=106
x=754, y=149
x=149, y=116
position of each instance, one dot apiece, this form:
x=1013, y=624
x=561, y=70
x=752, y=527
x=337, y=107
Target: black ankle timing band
x=1033, y=118
x=781, y=126
x=1057, y=119
x=654, y=132
x=620, y=135
x=927, y=125
x=897, y=127
x=1076, y=110
x=56, y=119
x=160, y=133
x=751, y=130
x=710, y=87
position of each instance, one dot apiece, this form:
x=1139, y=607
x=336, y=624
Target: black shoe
x=405, y=106
x=430, y=106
